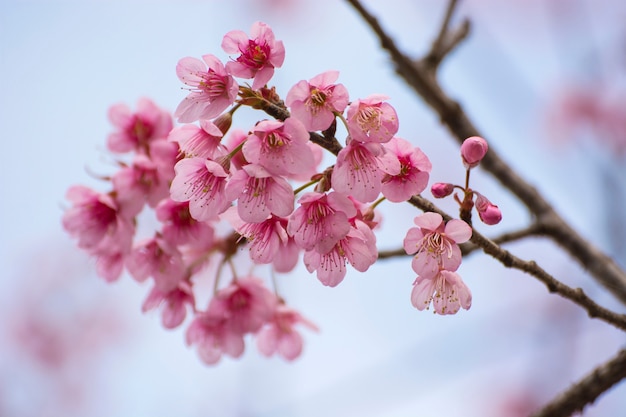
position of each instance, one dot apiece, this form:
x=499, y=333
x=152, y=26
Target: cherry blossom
x=414, y=171
x=435, y=244
x=136, y=131
x=315, y=102
x=259, y=54
x=214, y=337
x=473, y=149
x=488, y=212
x=279, y=334
x=446, y=290
x=194, y=141
x=155, y=258
x=178, y=226
x=441, y=189
x=213, y=88
x=372, y=119
x=174, y=304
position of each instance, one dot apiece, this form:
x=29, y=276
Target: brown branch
x=446, y=41
x=535, y=229
x=588, y=389
x=506, y=258
x=422, y=79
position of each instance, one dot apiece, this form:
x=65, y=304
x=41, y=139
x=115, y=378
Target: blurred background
x=542, y=79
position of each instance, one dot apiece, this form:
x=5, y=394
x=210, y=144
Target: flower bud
x=441, y=189
x=473, y=150
x=489, y=213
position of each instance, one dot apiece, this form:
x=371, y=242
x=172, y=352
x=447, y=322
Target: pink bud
x=441, y=189
x=489, y=213
x=473, y=150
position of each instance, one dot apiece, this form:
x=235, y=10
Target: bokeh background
x=543, y=80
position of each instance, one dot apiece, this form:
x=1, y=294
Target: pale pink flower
x=320, y=220
x=259, y=54
x=201, y=182
x=174, y=303
x=441, y=189
x=214, y=337
x=110, y=265
x=96, y=221
x=446, y=290
x=280, y=147
x=473, y=149
x=414, y=171
x=360, y=168
x=246, y=304
x=315, y=102
x=436, y=244
x=138, y=184
x=155, y=258
x=179, y=227
x=136, y=131
x=259, y=194
x=358, y=248
x=268, y=241
x=213, y=88
x=194, y=141
x=372, y=119
x=280, y=335
x=488, y=212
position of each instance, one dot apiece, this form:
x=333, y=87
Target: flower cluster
x=200, y=175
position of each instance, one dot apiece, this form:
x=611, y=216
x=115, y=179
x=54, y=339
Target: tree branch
x=588, y=389
x=422, y=78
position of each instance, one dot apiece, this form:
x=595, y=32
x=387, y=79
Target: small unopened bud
x=223, y=122
x=473, y=150
x=488, y=212
x=441, y=189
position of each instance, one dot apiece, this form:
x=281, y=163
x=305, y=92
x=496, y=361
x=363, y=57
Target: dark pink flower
x=279, y=147
x=446, y=290
x=259, y=194
x=414, y=171
x=372, y=119
x=320, y=220
x=315, y=102
x=213, y=89
x=179, y=227
x=174, y=302
x=194, y=141
x=436, y=244
x=280, y=335
x=441, y=189
x=201, y=182
x=473, y=150
x=259, y=54
x=157, y=259
x=136, y=131
x=488, y=212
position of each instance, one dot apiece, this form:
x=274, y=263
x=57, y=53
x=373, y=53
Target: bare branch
x=535, y=229
x=446, y=40
x=424, y=83
x=588, y=389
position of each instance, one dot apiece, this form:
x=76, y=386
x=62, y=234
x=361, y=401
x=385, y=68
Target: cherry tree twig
x=588, y=389
x=421, y=76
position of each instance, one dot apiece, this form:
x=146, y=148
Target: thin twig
x=588, y=389
x=446, y=40
x=535, y=229
x=424, y=83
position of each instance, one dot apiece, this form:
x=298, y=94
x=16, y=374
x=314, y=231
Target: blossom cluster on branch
x=200, y=176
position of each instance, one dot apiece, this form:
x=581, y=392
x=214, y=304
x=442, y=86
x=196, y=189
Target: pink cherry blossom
x=234, y=139
x=174, y=303
x=179, y=227
x=259, y=54
x=358, y=248
x=280, y=335
x=441, y=189
x=414, y=171
x=259, y=194
x=488, y=212
x=446, y=290
x=279, y=147
x=315, y=102
x=138, y=184
x=436, y=244
x=194, y=141
x=246, y=304
x=155, y=258
x=136, y=131
x=214, y=337
x=372, y=119
x=360, y=168
x=110, y=265
x=201, y=182
x=96, y=220
x=213, y=88
x=473, y=150
x=320, y=220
